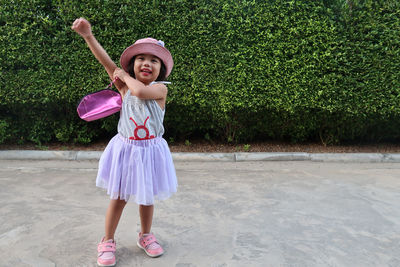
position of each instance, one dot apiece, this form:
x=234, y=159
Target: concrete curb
x=231, y=157
x=271, y=156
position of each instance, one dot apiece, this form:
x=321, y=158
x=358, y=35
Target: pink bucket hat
x=147, y=46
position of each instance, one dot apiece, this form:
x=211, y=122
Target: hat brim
x=147, y=48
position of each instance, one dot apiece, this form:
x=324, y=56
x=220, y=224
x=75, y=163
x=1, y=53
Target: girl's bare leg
x=113, y=215
x=146, y=218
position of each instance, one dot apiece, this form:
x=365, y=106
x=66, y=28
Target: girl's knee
x=118, y=202
x=146, y=206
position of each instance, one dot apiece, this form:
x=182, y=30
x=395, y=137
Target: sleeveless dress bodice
x=140, y=119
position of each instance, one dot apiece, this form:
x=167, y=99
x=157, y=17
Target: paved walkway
x=286, y=213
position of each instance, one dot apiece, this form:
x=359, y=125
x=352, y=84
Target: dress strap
x=163, y=82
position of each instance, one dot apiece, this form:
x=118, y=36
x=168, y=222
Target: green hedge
x=244, y=70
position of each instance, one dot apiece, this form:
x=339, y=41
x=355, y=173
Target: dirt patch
x=203, y=146
x=286, y=147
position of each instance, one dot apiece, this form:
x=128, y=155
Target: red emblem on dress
x=140, y=127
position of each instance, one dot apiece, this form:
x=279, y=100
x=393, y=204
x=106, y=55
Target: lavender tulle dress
x=137, y=165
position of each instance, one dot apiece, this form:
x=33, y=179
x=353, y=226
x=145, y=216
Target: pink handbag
x=99, y=104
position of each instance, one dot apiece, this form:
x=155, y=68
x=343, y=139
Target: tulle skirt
x=137, y=170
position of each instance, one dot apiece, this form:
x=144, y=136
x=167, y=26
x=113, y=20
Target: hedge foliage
x=244, y=70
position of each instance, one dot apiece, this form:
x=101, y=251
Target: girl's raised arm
x=83, y=28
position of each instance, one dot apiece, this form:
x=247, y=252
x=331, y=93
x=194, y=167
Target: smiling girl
x=136, y=164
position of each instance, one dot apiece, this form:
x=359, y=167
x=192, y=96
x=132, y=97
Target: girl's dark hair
x=161, y=76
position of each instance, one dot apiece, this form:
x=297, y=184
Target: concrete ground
x=294, y=213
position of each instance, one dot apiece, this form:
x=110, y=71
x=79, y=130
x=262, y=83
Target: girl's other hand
x=82, y=27
x=119, y=74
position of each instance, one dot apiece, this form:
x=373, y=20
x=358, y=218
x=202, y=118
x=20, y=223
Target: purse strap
x=111, y=83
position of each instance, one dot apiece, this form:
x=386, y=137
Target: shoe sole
x=103, y=265
x=153, y=256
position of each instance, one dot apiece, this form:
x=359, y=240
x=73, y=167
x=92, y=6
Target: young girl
x=136, y=164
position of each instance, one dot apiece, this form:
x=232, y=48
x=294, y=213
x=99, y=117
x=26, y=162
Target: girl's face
x=147, y=68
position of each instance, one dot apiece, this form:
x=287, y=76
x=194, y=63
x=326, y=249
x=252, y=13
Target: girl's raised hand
x=82, y=27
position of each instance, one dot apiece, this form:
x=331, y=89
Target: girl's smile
x=146, y=71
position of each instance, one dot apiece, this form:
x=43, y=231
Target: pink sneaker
x=149, y=244
x=106, y=250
